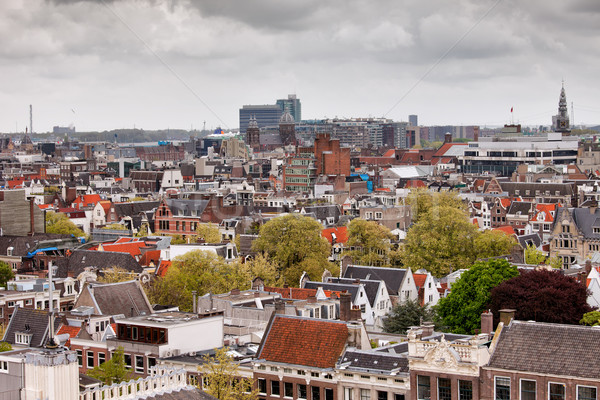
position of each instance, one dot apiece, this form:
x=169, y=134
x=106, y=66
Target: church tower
x=253, y=134
x=561, y=120
x=287, y=129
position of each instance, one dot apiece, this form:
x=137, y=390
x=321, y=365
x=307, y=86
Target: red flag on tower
x=511, y=109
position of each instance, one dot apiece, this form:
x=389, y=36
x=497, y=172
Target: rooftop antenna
x=52, y=342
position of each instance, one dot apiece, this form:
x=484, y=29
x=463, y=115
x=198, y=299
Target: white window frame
x=138, y=369
x=585, y=386
x=4, y=367
x=564, y=385
x=521, y=384
x=496, y=383
x=88, y=359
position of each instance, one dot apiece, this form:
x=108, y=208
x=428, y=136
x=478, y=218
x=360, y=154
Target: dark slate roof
x=186, y=206
x=531, y=239
x=325, y=211
x=398, y=348
x=584, y=219
x=565, y=189
x=28, y=320
x=339, y=287
x=134, y=207
x=374, y=361
x=120, y=298
x=272, y=139
x=520, y=207
x=187, y=169
x=22, y=244
x=554, y=349
x=391, y=276
x=371, y=287
x=79, y=260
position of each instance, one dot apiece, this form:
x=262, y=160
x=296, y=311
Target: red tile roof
x=505, y=203
x=163, y=268
x=106, y=205
x=390, y=153
x=131, y=248
x=71, y=330
x=304, y=341
x=341, y=234
x=445, y=147
x=547, y=209
x=420, y=279
x=150, y=256
x=509, y=230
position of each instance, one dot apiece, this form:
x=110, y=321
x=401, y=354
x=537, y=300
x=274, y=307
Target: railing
x=161, y=380
x=464, y=351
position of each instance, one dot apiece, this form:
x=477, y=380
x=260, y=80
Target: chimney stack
x=448, y=137
x=588, y=267
x=345, y=301
x=487, y=322
x=355, y=314
x=507, y=315
x=279, y=306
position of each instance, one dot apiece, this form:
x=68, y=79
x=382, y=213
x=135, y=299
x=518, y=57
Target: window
x=262, y=386
x=328, y=394
x=398, y=396
x=287, y=370
x=381, y=395
x=528, y=389
x=423, y=387
x=134, y=333
x=314, y=374
x=23, y=338
x=275, y=388
x=444, y=389
x=315, y=393
x=4, y=366
x=288, y=389
x=465, y=390
x=586, y=393
x=348, y=393
x=301, y=391
x=127, y=358
x=90, y=359
x=151, y=362
x=301, y=372
x=101, y=358
x=80, y=358
x=502, y=388
x=365, y=394
x=556, y=391
x=139, y=364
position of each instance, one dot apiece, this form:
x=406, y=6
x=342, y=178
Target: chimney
x=345, y=301
x=355, y=314
x=448, y=138
x=487, y=322
x=427, y=329
x=354, y=335
x=588, y=267
x=235, y=292
x=279, y=306
x=506, y=315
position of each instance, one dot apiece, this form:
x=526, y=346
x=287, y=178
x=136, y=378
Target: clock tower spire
x=561, y=120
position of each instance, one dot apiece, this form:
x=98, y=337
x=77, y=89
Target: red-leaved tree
x=543, y=296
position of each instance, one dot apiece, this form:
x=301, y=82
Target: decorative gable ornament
x=442, y=356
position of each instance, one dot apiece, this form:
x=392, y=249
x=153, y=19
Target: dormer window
x=23, y=338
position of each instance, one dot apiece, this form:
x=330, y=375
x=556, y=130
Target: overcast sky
x=158, y=64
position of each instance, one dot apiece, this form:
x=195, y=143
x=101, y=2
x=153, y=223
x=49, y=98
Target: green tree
x=115, y=227
x=61, y=224
x=371, y=242
x=200, y=271
x=441, y=242
x=294, y=242
x=113, y=370
x=493, y=243
x=209, y=233
x=262, y=266
x=461, y=310
x=116, y=274
x=222, y=379
x=6, y=273
x=534, y=256
x=422, y=200
x=591, y=318
x=407, y=314
x=4, y=346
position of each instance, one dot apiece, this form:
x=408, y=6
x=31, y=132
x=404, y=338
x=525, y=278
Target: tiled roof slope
x=304, y=341
x=391, y=276
x=28, y=320
x=375, y=361
x=554, y=349
x=119, y=298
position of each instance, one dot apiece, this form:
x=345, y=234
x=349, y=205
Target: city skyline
x=101, y=65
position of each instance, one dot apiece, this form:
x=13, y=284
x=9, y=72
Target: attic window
x=23, y=338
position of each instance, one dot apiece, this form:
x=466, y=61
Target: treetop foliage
x=407, y=314
x=470, y=295
x=61, y=224
x=542, y=295
x=113, y=370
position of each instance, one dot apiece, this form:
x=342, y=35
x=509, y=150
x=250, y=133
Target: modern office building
x=265, y=115
x=503, y=155
x=291, y=105
x=413, y=120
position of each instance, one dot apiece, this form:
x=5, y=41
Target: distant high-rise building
x=291, y=105
x=413, y=120
x=265, y=115
x=561, y=120
x=396, y=131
